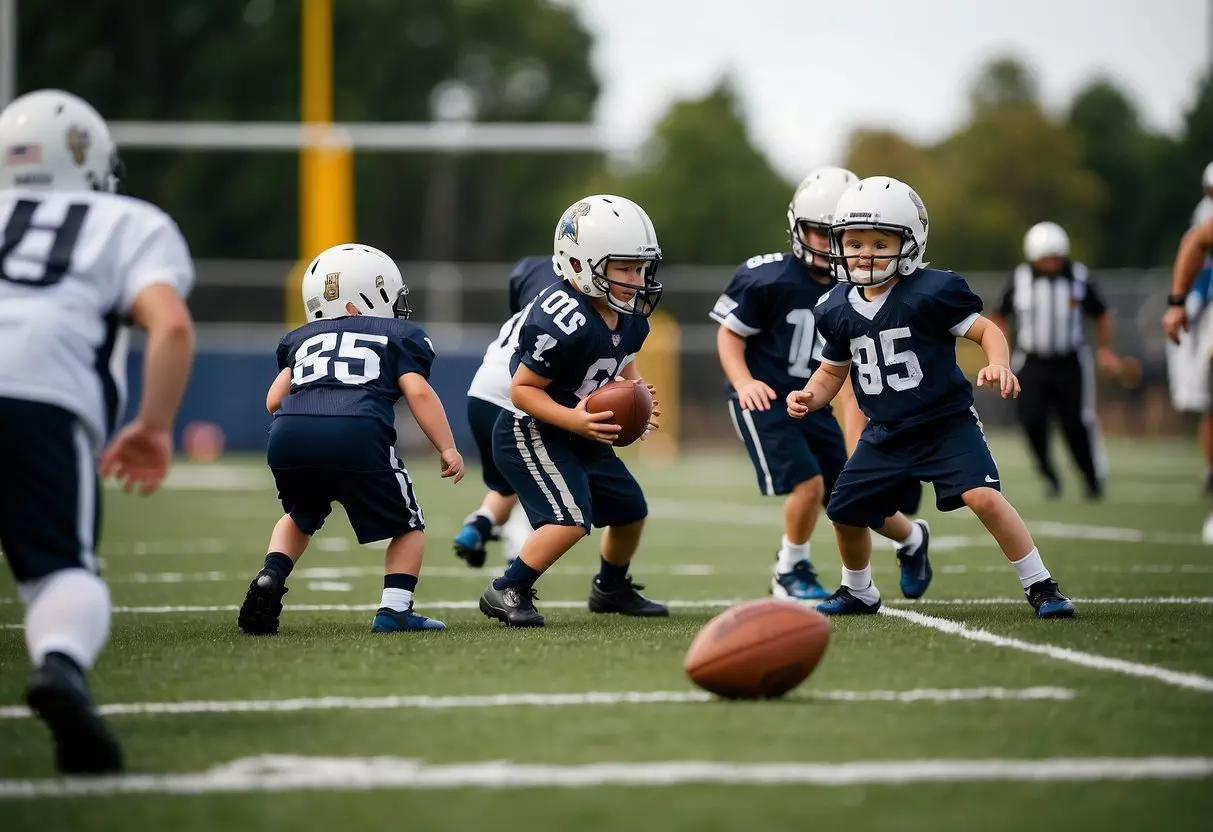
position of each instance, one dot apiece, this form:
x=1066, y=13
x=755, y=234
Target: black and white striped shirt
x=1050, y=312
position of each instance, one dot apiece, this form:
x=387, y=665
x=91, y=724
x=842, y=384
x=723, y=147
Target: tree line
x=1124, y=192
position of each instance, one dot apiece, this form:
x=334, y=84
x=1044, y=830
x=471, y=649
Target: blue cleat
x=801, y=584
x=843, y=602
x=916, y=570
x=1046, y=598
x=469, y=543
x=391, y=621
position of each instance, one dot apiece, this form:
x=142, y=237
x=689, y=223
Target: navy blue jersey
x=350, y=366
x=902, y=348
x=770, y=302
x=531, y=275
x=565, y=339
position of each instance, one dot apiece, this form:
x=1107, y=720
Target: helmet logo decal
x=568, y=223
x=78, y=143
x=332, y=288
x=378, y=281
x=922, y=209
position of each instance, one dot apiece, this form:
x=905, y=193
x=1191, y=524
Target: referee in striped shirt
x=1050, y=297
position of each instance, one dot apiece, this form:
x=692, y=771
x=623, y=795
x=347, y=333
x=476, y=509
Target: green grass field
x=962, y=712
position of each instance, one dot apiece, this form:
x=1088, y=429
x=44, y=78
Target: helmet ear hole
x=383, y=294
x=366, y=300
x=576, y=264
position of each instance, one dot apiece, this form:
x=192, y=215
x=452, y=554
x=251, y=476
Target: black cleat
x=513, y=606
x=59, y=696
x=1046, y=598
x=262, y=604
x=624, y=599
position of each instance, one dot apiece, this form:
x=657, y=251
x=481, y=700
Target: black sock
x=279, y=564
x=484, y=525
x=63, y=660
x=517, y=574
x=611, y=575
x=399, y=580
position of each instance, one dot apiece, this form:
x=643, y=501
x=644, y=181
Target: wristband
x=1176, y=300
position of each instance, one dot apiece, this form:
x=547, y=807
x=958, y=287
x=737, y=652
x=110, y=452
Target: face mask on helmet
x=631, y=288
x=872, y=254
x=401, y=308
x=817, y=260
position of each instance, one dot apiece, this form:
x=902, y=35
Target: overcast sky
x=809, y=71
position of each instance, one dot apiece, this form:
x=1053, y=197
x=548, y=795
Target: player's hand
x=755, y=395
x=654, y=424
x=138, y=456
x=1000, y=378
x=1175, y=322
x=596, y=426
x=1108, y=360
x=452, y=464
x=799, y=403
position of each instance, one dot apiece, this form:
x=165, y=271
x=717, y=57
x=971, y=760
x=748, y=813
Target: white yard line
x=1189, y=681
x=706, y=604
x=552, y=700
x=277, y=773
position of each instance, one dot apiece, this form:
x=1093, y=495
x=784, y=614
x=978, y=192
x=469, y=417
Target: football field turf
x=958, y=712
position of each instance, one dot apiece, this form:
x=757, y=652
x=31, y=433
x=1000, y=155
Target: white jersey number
x=314, y=357
x=19, y=234
x=806, y=346
x=867, y=365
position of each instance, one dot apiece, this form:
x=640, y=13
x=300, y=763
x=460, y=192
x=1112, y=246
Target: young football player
x=768, y=346
x=573, y=338
x=893, y=326
x=332, y=438
x=488, y=397
x=79, y=264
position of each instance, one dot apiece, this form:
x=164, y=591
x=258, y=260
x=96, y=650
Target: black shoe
x=513, y=606
x=1046, y=598
x=625, y=599
x=844, y=602
x=469, y=542
x=1052, y=488
x=262, y=604
x=59, y=696
x=1094, y=492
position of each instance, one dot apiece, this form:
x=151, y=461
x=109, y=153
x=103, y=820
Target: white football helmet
x=1206, y=178
x=599, y=229
x=53, y=140
x=1045, y=239
x=812, y=207
x=887, y=204
x=357, y=274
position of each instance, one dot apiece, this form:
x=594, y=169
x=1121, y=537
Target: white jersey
x=492, y=379
x=71, y=266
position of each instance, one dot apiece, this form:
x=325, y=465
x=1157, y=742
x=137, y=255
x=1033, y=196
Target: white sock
x=1030, y=568
x=915, y=538
x=396, y=600
x=67, y=612
x=514, y=533
x=791, y=554
x=859, y=581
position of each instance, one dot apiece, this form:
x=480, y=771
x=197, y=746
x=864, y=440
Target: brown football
x=631, y=403
x=758, y=650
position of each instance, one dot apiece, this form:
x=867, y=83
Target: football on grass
x=758, y=650
x=631, y=403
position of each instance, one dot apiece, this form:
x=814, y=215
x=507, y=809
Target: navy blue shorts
x=49, y=505
x=565, y=480
x=786, y=451
x=321, y=460
x=482, y=415
x=950, y=453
